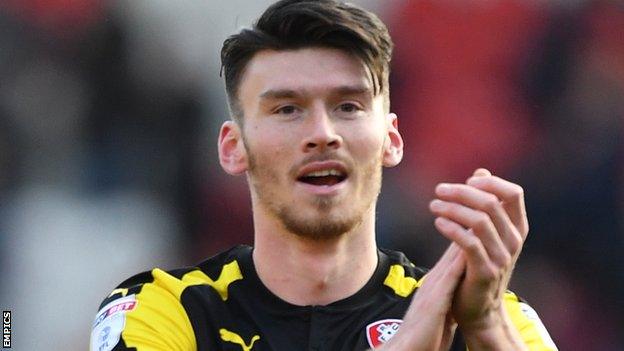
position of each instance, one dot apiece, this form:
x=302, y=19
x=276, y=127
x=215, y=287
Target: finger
x=489, y=203
x=472, y=248
x=481, y=225
x=481, y=172
x=443, y=264
x=512, y=196
x=455, y=263
x=449, y=271
x=457, y=267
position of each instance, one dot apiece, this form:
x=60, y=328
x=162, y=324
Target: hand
x=486, y=217
x=428, y=324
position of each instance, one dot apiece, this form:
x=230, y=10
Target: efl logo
x=124, y=306
x=6, y=329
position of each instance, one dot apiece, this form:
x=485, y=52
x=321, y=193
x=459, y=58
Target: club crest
x=382, y=331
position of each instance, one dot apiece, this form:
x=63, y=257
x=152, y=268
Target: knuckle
x=473, y=245
x=482, y=222
x=454, y=191
x=517, y=192
x=515, y=243
x=457, y=231
x=488, y=274
x=505, y=259
x=514, y=247
x=491, y=204
x=453, y=209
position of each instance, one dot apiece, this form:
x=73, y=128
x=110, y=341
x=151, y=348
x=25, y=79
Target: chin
x=325, y=221
x=321, y=231
x=319, y=227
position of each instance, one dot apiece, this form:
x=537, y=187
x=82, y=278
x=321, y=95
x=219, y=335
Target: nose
x=321, y=133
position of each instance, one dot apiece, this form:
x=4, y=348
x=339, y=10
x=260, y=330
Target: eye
x=286, y=110
x=349, y=108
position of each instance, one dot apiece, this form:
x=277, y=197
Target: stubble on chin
x=327, y=224
x=325, y=227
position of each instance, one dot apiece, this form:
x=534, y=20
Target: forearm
x=411, y=338
x=400, y=342
x=409, y=342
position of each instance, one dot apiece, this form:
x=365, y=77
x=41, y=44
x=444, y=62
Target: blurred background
x=109, y=112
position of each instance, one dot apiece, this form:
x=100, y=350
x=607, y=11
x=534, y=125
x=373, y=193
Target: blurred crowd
x=109, y=112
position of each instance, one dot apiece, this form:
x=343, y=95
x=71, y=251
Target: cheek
x=268, y=146
x=367, y=146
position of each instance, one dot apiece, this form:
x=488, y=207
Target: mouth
x=323, y=174
x=323, y=178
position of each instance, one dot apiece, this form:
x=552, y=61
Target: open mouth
x=327, y=177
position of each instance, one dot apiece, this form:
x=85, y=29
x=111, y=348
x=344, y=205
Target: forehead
x=314, y=70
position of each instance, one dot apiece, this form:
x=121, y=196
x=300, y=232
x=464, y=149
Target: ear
x=232, y=152
x=393, y=145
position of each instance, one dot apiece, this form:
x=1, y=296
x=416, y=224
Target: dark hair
x=295, y=24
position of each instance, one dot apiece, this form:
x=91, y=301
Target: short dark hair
x=296, y=24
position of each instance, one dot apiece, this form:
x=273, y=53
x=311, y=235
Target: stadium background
x=108, y=120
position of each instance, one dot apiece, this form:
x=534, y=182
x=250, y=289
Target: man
x=311, y=129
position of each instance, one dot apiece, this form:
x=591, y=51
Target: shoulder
x=150, y=305
x=212, y=272
x=528, y=323
x=144, y=307
x=402, y=276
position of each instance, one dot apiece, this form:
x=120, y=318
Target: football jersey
x=221, y=304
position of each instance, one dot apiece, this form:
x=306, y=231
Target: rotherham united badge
x=382, y=331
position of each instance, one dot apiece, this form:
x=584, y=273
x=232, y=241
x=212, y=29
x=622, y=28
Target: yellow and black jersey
x=222, y=305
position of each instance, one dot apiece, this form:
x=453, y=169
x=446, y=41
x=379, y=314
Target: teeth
x=324, y=173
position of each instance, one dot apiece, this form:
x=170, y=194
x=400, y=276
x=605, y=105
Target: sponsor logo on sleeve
x=110, y=322
x=382, y=331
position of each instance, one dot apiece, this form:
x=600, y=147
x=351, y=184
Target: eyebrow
x=292, y=93
x=353, y=90
x=279, y=94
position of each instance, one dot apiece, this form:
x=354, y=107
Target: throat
x=313, y=281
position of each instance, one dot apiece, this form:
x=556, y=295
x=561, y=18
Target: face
x=314, y=140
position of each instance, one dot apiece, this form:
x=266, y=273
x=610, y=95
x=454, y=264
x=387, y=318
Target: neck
x=305, y=272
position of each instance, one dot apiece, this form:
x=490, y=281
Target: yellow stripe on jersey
x=159, y=321
x=528, y=324
x=397, y=281
x=230, y=273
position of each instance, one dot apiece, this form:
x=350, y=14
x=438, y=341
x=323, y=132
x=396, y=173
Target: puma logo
x=234, y=338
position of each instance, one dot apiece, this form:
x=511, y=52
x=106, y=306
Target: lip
x=325, y=190
x=322, y=166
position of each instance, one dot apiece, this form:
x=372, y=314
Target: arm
x=144, y=317
x=486, y=217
